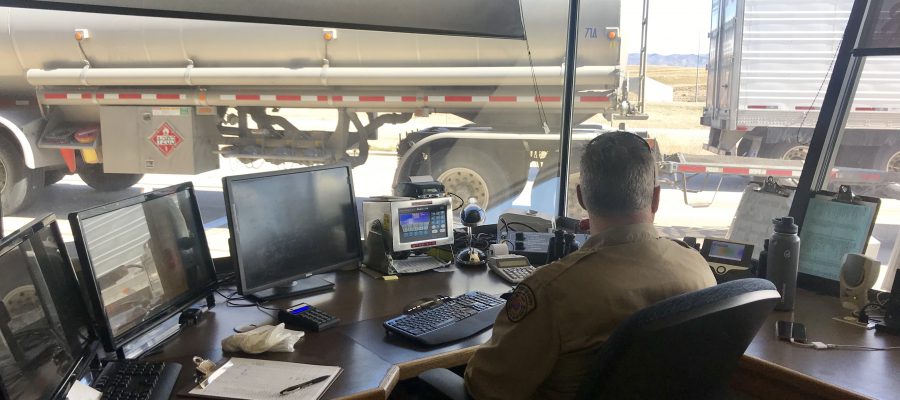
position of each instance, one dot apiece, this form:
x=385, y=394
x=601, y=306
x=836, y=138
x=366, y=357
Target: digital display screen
x=43, y=320
x=146, y=258
x=290, y=224
x=299, y=310
x=422, y=223
x=727, y=251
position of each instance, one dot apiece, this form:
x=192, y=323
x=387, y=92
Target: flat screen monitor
x=143, y=260
x=422, y=223
x=288, y=225
x=45, y=332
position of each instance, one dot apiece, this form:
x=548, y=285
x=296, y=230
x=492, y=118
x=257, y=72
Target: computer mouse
x=245, y=328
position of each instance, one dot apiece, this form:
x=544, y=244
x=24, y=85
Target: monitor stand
x=311, y=284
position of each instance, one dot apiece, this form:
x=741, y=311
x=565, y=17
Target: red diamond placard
x=165, y=139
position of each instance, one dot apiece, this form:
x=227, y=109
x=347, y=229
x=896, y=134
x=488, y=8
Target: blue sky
x=675, y=26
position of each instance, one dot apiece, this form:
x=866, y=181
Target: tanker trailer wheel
x=468, y=173
x=93, y=175
x=52, y=176
x=18, y=183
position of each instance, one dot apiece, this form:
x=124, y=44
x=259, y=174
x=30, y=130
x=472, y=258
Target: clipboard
x=835, y=224
x=760, y=203
x=256, y=379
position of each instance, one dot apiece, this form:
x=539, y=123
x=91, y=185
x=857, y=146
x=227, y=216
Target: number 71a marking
x=590, y=32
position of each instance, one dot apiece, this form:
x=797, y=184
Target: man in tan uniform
x=543, y=341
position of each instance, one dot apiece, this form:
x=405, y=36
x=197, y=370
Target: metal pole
x=643, y=67
x=565, y=136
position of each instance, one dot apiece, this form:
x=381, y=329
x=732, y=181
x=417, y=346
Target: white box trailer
x=769, y=67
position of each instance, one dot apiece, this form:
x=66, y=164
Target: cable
x=824, y=346
x=818, y=92
x=461, y=201
x=537, y=90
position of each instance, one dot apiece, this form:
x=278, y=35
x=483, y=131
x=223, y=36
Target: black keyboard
x=449, y=320
x=135, y=380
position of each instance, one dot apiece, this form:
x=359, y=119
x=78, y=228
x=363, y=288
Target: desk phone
x=511, y=267
x=728, y=260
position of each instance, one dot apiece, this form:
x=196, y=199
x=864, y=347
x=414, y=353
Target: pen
x=303, y=385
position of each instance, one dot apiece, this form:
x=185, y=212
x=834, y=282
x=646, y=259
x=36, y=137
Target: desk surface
x=874, y=374
x=374, y=361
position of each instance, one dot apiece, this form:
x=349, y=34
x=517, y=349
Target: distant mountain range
x=675, y=60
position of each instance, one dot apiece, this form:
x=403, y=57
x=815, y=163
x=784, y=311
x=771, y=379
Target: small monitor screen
x=146, y=259
x=44, y=327
x=289, y=224
x=422, y=223
x=727, y=251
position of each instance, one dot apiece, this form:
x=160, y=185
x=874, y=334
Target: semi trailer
x=769, y=66
x=112, y=97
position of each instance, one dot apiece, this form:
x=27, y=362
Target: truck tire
x=52, y=176
x=888, y=159
x=18, y=183
x=787, y=150
x=467, y=172
x=93, y=176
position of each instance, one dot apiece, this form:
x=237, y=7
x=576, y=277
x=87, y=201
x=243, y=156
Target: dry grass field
x=689, y=83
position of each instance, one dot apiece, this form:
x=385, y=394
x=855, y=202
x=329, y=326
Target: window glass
x=867, y=156
x=481, y=115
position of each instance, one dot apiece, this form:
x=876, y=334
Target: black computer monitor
x=143, y=260
x=288, y=225
x=45, y=335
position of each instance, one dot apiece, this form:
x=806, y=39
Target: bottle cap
x=785, y=225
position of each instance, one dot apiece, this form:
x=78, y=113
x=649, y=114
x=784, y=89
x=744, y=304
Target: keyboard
x=135, y=380
x=417, y=264
x=452, y=319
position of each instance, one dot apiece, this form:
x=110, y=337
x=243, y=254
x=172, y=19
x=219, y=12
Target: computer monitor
x=143, y=260
x=288, y=225
x=45, y=332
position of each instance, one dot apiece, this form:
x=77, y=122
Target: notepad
x=244, y=378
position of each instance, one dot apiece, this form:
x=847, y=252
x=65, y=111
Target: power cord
x=824, y=346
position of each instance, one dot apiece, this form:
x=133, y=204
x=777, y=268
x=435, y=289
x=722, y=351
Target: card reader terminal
x=307, y=317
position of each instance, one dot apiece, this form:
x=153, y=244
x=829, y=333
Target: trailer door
x=721, y=62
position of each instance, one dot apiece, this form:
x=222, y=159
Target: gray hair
x=618, y=174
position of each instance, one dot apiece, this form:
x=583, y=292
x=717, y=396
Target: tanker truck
x=113, y=97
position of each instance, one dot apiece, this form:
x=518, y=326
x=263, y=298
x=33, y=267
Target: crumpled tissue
x=265, y=338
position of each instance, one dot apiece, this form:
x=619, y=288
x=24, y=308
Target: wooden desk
x=777, y=369
x=374, y=361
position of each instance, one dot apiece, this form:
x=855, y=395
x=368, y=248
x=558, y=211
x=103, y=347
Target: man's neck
x=601, y=223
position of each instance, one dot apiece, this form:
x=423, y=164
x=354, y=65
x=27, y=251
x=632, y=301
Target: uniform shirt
x=544, y=339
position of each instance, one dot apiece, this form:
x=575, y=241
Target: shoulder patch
x=520, y=303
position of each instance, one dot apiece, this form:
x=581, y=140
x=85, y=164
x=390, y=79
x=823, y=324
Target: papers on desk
x=244, y=378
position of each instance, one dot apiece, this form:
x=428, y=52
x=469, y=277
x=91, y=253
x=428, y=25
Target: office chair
x=686, y=346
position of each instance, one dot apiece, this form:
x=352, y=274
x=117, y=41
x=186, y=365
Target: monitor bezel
x=109, y=340
x=238, y=262
x=395, y=223
x=86, y=354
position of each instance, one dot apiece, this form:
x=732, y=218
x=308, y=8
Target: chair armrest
x=446, y=382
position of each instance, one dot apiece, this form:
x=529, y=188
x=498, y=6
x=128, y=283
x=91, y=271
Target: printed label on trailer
x=166, y=139
x=171, y=111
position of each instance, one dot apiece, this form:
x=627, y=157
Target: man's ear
x=580, y=198
x=654, y=206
